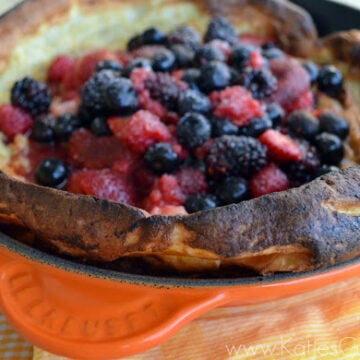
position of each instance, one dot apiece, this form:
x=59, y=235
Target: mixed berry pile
x=178, y=123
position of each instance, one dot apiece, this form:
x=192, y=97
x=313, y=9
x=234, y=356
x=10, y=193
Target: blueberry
x=220, y=28
x=232, y=190
x=100, y=127
x=234, y=76
x=109, y=65
x=304, y=124
x=334, y=124
x=161, y=158
x=270, y=51
x=193, y=101
x=153, y=36
x=163, y=60
x=65, y=125
x=324, y=169
x=199, y=202
x=43, y=129
x=240, y=56
x=312, y=69
x=256, y=126
x=134, y=43
x=191, y=77
x=214, y=75
x=193, y=130
x=276, y=114
x=121, y=97
x=223, y=127
x=330, y=148
x=330, y=81
x=184, y=55
x=52, y=172
x=208, y=53
x=184, y=35
x=137, y=63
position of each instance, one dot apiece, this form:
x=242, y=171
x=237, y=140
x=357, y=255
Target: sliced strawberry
x=192, y=181
x=293, y=81
x=14, y=120
x=140, y=131
x=236, y=103
x=268, y=180
x=109, y=185
x=93, y=152
x=281, y=148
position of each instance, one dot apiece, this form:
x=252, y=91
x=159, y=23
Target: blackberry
x=193, y=101
x=109, y=65
x=161, y=158
x=221, y=127
x=304, y=124
x=208, y=53
x=163, y=88
x=305, y=170
x=276, y=114
x=191, y=77
x=232, y=190
x=240, y=56
x=121, y=97
x=312, y=69
x=200, y=202
x=31, y=95
x=214, y=75
x=236, y=155
x=220, y=28
x=43, y=129
x=330, y=81
x=193, y=130
x=184, y=55
x=135, y=64
x=153, y=36
x=256, y=126
x=330, y=148
x=52, y=172
x=100, y=127
x=334, y=124
x=93, y=93
x=324, y=169
x=195, y=163
x=134, y=43
x=163, y=60
x=65, y=125
x=261, y=82
x=184, y=35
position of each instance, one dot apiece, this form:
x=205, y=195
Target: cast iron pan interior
x=329, y=17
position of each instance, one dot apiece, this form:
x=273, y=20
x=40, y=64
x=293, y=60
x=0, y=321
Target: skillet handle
x=82, y=317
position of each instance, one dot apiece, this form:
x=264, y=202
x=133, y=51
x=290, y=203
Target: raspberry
x=268, y=180
x=87, y=64
x=237, y=104
x=256, y=60
x=293, y=81
x=192, y=181
x=74, y=183
x=109, y=185
x=139, y=77
x=31, y=95
x=93, y=152
x=153, y=106
x=60, y=67
x=14, y=120
x=140, y=131
x=281, y=148
x=235, y=155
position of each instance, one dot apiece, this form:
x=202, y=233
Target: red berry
x=268, y=180
x=236, y=103
x=60, y=67
x=93, y=152
x=169, y=210
x=281, y=148
x=192, y=181
x=14, y=121
x=138, y=78
x=109, y=185
x=256, y=60
x=74, y=183
x=140, y=131
x=149, y=104
x=303, y=102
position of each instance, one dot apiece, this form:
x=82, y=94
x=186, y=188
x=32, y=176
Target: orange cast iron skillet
x=84, y=312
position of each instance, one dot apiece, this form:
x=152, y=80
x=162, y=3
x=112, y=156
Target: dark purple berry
x=303, y=124
x=161, y=158
x=200, y=202
x=220, y=28
x=330, y=148
x=232, y=190
x=193, y=101
x=330, y=81
x=52, y=172
x=334, y=124
x=214, y=75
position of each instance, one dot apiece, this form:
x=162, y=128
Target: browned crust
x=322, y=217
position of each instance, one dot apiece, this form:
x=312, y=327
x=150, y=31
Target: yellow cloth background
x=323, y=324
